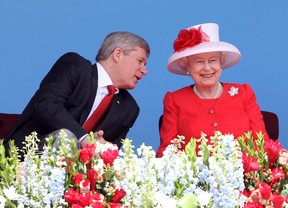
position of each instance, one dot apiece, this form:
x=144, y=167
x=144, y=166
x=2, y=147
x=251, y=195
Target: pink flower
x=71, y=195
x=277, y=174
x=84, y=199
x=264, y=189
x=115, y=205
x=86, y=153
x=272, y=148
x=85, y=186
x=78, y=177
x=250, y=164
x=97, y=205
x=109, y=156
x=96, y=197
x=76, y=206
x=277, y=201
x=119, y=194
x=283, y=157
x=256, y=196
x=92, y=176
x=253, y=205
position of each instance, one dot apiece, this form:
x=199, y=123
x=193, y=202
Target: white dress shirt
x=102, y=90
x=103, y=81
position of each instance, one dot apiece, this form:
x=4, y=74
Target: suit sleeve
x=50, y=101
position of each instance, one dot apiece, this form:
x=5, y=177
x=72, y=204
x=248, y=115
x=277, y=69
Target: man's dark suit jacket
x=64, y=100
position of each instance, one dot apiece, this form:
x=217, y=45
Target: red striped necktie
x=98, y=113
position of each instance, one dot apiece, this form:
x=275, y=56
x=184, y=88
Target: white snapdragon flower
x=165, y=201
x=204, y=198
x=2, y=201
x=11, y=193
x=20, y=205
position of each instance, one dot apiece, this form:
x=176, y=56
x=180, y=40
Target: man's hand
x=98, y=137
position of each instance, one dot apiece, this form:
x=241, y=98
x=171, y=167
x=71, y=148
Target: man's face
x=132, y=67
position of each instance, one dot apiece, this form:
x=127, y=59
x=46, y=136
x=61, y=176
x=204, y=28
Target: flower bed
x=242, y=172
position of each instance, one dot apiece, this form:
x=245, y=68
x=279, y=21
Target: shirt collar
x=103, y=78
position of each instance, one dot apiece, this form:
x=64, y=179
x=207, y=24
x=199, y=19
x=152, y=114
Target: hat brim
x=231, y=53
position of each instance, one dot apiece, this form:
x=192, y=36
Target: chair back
x=272, y=124
x=7, y=122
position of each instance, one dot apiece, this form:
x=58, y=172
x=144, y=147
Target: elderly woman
x=207, y=105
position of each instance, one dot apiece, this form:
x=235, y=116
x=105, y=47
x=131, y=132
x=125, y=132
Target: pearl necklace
x=217, y=94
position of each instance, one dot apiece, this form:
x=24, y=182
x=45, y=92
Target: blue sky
x=34, y=34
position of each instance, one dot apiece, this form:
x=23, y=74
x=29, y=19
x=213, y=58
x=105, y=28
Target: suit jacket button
x=214, y=124
x=211, y=111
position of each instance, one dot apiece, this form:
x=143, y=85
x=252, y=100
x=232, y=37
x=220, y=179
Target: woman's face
x=205, y=68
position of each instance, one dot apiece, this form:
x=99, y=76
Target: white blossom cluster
x=139, y=175
x=40, y=179
x=42, y=185
x=165, y=182
x=211, y=178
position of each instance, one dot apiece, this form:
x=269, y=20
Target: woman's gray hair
x=125, y=40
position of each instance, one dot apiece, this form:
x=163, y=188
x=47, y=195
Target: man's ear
x=117, y=54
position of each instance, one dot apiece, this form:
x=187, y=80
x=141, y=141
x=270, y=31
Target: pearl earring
x=187, y=73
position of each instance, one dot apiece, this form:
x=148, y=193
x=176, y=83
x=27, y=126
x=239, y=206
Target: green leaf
x=205, y=154
x=190, y=150
x=188, y=201
x=109, y=173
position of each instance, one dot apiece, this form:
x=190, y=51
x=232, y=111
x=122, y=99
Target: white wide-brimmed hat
x=197, y=39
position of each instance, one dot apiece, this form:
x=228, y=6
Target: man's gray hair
x=125, y=40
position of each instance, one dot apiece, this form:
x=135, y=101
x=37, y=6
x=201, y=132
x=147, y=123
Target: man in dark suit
x=74, y=87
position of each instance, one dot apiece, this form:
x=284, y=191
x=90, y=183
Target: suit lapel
x=88, y=106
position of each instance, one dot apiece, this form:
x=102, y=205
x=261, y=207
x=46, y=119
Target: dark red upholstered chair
x=7, y=122
x=272, y=124
x=270, y=120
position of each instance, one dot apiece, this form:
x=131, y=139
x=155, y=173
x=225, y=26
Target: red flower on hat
x=189, y=38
